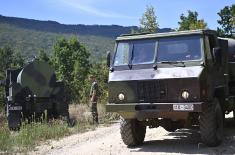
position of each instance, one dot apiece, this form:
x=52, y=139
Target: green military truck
x=174, y=80
x=32, y=90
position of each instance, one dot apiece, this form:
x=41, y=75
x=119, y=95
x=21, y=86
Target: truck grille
x=151, y=91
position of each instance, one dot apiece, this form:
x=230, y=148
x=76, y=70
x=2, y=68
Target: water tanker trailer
x=33, y=92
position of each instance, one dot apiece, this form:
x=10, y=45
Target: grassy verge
x=30, y=135
x=33, y=134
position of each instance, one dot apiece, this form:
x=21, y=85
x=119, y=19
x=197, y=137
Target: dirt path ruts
x=107, y=140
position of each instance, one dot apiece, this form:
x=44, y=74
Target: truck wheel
x=211, y=124
x=132, y=132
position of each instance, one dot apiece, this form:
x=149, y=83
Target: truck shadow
x=188, y=142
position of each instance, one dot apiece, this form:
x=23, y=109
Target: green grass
x=5, y=141
x=31, y=135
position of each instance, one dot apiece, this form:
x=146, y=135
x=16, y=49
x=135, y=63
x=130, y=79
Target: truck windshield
x=122, y=54
x=179, y=49
x=172, y=49
x=143, y=52
x=137, y=52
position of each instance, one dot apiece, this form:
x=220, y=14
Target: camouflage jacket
x=94, y=87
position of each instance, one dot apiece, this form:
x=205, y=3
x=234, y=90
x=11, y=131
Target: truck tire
x=211, y=124
x=132, y=132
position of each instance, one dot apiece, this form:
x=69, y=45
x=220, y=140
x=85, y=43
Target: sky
x=108, y=12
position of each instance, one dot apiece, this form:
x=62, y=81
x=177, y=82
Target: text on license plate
x=183, y=107
x=15, y=108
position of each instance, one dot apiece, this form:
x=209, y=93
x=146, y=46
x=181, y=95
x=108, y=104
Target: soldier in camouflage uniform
x=94, y=98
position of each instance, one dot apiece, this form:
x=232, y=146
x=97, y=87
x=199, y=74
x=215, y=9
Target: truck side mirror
x=108, y=58
x=217, y=55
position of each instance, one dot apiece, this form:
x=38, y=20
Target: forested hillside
x=29, y=36
x=30, y=42
x=52, y=26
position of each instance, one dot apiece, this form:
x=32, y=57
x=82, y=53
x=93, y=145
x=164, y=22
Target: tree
x=227, y=21
x=6, y=58
x=43, y=56
x=191, y=22
x=9, y=59
x=233, y=16
x=148, y=21
x=71, y=61
x=100, y=71
x=200, y=24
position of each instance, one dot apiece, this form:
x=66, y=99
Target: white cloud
x=88, y=6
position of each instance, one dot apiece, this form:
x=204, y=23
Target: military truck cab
x=173, y=80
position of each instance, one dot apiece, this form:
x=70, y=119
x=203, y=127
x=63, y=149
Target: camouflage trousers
x=94, y=112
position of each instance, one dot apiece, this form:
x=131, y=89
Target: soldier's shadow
x=188, y=141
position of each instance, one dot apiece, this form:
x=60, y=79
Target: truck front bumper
x=154, y=110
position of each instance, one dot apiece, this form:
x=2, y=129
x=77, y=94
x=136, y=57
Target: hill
x=30, y=42
x=111, y=31
x=28, y=36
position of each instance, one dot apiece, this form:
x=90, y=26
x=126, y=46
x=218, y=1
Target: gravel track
x=107, y=140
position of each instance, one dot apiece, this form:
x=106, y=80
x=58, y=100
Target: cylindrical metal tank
x=38, y=77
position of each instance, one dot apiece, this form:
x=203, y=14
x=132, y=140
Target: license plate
x=15, y=108
x=183, y=107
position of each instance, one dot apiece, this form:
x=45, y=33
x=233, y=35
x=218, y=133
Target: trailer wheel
x=51, y=114
x=14, y=121
x=39, y=117
x=211, y=124
x=132, y=132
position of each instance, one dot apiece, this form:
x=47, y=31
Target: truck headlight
x=185, y=94
x=121, y=96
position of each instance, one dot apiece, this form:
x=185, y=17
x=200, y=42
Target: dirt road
x=107, y=140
